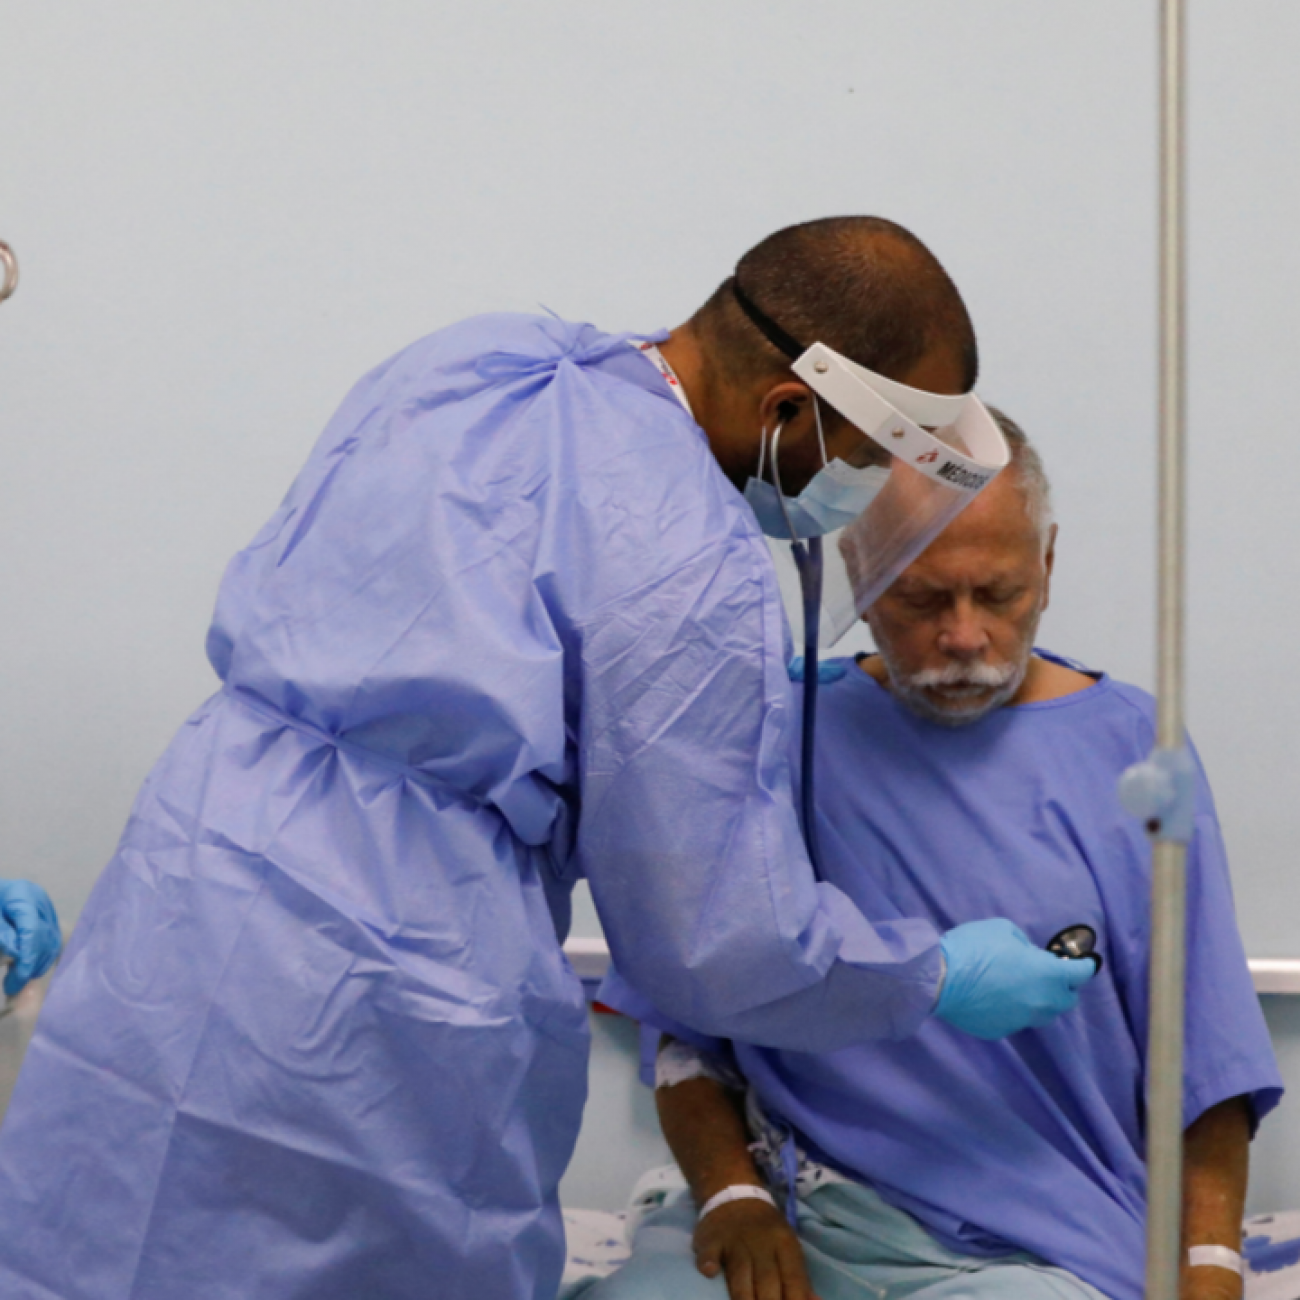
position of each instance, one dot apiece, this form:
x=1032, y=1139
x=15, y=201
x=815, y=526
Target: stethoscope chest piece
x=1075, y=942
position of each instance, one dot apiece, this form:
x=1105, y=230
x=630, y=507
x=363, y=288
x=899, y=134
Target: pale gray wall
x=227, y=211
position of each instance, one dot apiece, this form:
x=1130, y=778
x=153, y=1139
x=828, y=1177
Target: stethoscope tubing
x=808, y=560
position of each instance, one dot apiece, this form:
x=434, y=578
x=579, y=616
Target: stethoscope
x=1076, y=942
x=808, y=561
x=1072, y=943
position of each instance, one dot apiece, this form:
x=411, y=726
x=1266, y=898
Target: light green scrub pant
x=855, y=1247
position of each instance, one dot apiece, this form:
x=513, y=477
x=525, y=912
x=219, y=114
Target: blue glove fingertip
x=828, y=670
x=20, y=973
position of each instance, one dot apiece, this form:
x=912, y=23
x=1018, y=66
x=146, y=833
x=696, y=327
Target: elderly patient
x=964, y=774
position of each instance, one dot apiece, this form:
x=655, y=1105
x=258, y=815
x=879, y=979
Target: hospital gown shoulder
x=1130, y=712
x=480, y=503
x=494, y=419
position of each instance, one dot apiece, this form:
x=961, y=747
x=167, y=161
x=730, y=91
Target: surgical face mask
x=835, y=496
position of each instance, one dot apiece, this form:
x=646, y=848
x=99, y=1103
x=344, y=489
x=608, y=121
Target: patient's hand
x=1210, y=1284
x=747, y=1240
x=756, y=1248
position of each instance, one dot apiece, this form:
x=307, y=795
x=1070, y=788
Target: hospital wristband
x=1218, y=1256
x=737, y=1192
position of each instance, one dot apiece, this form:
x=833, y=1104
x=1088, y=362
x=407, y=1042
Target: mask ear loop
x=762, y=452
x=821, y=437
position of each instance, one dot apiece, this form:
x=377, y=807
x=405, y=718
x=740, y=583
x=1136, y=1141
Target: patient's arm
x=1216, y=1156
x=748, y=1240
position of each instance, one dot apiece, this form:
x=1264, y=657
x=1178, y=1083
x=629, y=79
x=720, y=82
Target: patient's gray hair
x=1026, y=461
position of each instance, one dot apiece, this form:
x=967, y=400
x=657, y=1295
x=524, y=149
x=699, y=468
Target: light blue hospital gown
x=1035, y=1143
x=314, y=1036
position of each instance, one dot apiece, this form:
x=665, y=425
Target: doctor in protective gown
x=513, y=625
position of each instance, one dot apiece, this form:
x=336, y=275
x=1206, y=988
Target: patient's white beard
x=984, y=687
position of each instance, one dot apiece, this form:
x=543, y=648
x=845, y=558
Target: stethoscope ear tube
x=808, y=560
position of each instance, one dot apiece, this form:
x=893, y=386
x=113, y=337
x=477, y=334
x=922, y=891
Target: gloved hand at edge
x=29, y=932
x=998, y=983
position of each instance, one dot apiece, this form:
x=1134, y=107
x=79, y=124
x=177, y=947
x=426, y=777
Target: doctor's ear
x=784, y=403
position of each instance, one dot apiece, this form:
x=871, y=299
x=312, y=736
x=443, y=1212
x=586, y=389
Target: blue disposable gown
x=315, y=1035
x=1035, y=1142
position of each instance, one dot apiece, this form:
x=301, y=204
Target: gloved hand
x=827, y=670
x=998, y=983
x=29, y=932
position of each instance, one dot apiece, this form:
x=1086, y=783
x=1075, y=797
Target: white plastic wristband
x=1217, y=1256
x=737, y=1192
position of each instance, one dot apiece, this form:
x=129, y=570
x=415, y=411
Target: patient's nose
x=963, y=635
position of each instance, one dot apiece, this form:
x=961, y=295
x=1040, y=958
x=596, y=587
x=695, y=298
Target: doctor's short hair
x=864, y=286
x=1034, y=484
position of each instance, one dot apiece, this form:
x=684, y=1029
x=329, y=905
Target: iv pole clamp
x=1161, y=791
x=9, y=270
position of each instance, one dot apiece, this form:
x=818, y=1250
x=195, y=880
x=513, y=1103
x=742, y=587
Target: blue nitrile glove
x=827, y=670
x=29, y=932
x=998, y=983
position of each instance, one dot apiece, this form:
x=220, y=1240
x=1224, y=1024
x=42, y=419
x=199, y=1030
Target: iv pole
x=1161, y=791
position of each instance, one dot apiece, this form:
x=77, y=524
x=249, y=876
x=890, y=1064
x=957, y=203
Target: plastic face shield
x=940, y=452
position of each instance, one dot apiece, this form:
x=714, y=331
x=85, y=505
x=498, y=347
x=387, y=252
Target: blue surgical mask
x=834, y=497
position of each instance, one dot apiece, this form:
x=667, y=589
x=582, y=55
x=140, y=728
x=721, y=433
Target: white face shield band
x=923, y=458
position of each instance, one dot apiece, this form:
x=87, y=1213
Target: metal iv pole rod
x=1169, y=855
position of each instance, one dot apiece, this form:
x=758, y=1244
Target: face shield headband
x=938, y=452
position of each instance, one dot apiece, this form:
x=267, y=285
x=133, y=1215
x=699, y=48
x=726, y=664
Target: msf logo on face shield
x=962, y=477
x=928, y=458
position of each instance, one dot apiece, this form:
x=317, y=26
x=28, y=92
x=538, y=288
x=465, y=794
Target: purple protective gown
x=315, y=1036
